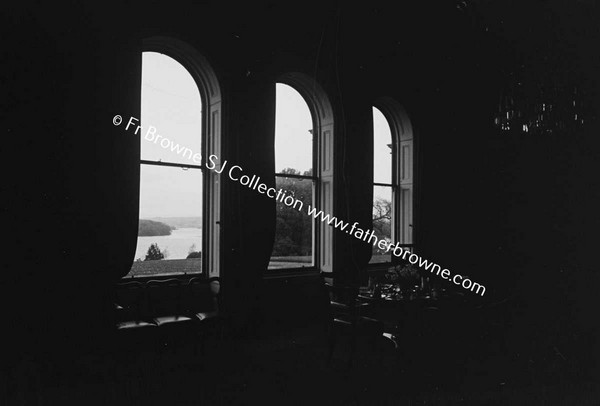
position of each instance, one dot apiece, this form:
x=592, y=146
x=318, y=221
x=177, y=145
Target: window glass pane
x=293, y=246
x=171, y=104
x=382, y=221
x=382, y=148
x=293, y=131
x=171, y=217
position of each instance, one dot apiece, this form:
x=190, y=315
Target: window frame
x=323, y=141
x=315, y=235
x=211, y=110
x=401, y=131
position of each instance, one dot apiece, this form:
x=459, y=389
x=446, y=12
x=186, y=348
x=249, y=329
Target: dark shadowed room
x=301, y=203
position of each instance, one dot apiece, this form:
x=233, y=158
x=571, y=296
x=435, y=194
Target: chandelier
x=541, y=107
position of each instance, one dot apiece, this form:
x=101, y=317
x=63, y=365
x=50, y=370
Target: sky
x=293, y=141
x=382, y=162
x=171, y=103
x=382, y=137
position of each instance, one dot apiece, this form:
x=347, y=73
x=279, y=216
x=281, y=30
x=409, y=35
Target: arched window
x=179, y=197
x=294, y=164
x=303, y=169
x=392, y=178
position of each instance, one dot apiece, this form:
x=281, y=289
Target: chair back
x=342, y=293
x=215, y=291
x=131, y=296
x=198, y=297
x=343, y=301
x=165, y=297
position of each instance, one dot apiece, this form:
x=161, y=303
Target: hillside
x=152, y=228
x=180, y=222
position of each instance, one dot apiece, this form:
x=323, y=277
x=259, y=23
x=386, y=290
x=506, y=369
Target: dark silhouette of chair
x=165, y=299
x=349, y=319
x=135, y=331
x=203, y=301
x=131, y=309
x=202, y=307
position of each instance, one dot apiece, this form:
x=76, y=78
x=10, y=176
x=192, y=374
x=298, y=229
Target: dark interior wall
x=71, y=193
x=516, y=213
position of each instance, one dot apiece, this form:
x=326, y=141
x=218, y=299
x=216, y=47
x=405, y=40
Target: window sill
x=291, y=273
x=382, y=266
x=160, y=277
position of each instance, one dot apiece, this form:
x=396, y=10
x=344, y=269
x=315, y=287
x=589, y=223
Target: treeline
x=148, y=228
x=293, y=233
x=180, y=222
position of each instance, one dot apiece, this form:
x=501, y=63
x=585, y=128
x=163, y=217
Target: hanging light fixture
x=541, y=108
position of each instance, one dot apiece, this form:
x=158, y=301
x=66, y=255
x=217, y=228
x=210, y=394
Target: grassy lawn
x=165, y=267
x=290, y=262
x=194, y=265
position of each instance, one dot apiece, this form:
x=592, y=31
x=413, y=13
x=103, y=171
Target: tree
x=293, y=236
x=382, y=218
x=192, y=253
x=382, y=223
x=154, y=253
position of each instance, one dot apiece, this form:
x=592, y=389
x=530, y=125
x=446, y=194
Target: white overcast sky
x=171, y=103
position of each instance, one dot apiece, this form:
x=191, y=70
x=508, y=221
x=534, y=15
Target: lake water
x=177, y=244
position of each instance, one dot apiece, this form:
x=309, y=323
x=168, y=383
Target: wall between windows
x=502, y=210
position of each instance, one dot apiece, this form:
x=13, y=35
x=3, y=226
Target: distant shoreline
x=162, y=226
x=150, y=228
x=178, y=244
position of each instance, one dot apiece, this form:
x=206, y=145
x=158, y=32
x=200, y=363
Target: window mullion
x=170, y=164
